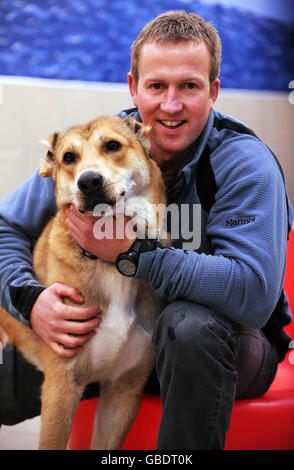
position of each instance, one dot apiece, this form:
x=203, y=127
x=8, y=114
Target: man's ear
x=48, y=163
x=133, y=88
x=142, y=132
x=214, y=89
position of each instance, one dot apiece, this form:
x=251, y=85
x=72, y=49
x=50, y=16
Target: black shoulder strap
x=205, y=182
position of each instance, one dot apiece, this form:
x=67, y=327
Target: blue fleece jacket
x=239, y=267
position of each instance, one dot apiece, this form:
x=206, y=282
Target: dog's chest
x=104, y=348
x=118, y=296
x=119, y=343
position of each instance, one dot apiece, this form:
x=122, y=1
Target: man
x=220, y=336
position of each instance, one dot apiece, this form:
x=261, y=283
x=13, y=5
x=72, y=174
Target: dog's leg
x=117, y=409
x=60, y=396
x=121, y=396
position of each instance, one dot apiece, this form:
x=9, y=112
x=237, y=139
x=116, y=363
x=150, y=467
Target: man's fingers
x=70, y=312
x=62, y=290
x=81, y=314
x=80, y=327
x=63, y=351
x=73, y=342
x=70, y=342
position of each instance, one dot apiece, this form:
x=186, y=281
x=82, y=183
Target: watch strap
x=149, y=244
x=140, y=245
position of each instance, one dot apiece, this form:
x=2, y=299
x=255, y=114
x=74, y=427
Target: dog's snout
x=90, y=182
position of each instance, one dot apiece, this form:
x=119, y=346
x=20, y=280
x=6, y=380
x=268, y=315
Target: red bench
x=265, y=423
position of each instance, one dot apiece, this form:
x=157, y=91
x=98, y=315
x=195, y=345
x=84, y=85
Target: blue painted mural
x=90, y=40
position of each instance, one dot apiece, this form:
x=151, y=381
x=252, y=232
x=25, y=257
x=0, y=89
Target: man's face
x=173, y=95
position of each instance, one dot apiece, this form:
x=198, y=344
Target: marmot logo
x=233, y=222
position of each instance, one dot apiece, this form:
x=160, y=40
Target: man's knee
x=182, y=322
x=188, y=329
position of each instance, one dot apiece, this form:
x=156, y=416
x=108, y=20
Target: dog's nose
x=90, y=182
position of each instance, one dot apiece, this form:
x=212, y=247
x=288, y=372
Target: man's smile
x=171, y=124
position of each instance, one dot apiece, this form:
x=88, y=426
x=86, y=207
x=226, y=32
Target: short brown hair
x=174, y=26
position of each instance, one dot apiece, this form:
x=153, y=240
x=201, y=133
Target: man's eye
x=112, y=146
x=69, y=158
x=190, y=86
x=156, y=86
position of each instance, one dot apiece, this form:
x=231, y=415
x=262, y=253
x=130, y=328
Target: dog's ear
x=142, y=132
x=48, y=163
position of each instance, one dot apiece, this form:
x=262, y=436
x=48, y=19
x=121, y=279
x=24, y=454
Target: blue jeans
x=204, y=361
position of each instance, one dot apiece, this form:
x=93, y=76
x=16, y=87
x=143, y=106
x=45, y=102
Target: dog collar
x=88, y=254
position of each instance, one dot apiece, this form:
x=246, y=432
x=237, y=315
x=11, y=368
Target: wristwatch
x=127, y=262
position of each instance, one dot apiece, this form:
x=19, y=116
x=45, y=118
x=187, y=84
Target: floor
x=22, y=436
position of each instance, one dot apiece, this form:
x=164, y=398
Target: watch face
x=127, y=267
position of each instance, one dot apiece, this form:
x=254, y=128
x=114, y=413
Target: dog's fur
x=120, y=356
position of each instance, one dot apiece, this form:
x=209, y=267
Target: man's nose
x=171, y=103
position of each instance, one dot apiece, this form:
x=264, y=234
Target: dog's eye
x=112, y=146
x=69, y=158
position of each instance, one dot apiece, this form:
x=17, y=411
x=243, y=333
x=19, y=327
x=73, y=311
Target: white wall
x=31, y=109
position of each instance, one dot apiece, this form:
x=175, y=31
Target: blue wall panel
x=90, y=40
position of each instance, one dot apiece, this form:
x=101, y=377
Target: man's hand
x=81, y=228
x=58, y=324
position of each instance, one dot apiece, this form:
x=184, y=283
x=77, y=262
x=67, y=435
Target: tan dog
x=111, y=154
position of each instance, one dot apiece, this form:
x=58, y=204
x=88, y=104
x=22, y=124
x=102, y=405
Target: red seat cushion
x=266, y=423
